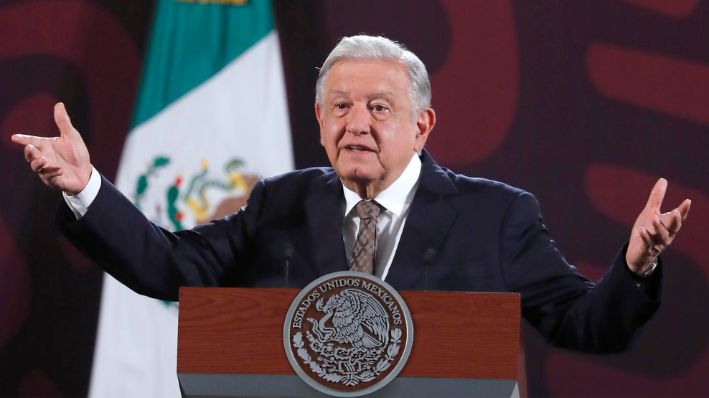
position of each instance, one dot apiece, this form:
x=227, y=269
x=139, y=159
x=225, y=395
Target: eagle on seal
x=356, y=319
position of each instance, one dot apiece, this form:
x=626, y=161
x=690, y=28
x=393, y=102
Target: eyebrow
x=387, y=95
x=338, y=92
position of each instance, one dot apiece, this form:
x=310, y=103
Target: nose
x=358, y=120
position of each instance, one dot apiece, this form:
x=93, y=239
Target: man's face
x=367, y=124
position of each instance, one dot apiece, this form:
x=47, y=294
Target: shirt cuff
x=650, y=282
x=79, y=203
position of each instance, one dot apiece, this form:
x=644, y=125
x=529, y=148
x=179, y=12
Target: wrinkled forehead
x=367, y=77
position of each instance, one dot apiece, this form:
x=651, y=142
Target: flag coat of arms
x=211, y=119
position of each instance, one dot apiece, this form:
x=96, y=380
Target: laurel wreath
x=314, y=366
x=142, y=184
x=350, y=379
x=392, y=351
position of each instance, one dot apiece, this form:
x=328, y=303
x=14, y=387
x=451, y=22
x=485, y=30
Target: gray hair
x=379, y=48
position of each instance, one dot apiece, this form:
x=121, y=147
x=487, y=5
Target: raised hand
x=654, y=231
x=60, y=162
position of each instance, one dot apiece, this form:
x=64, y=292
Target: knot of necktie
x=368, y=209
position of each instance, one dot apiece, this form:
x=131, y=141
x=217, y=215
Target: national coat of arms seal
x=348, y=334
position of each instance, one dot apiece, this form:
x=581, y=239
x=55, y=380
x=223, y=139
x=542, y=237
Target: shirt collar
x=398, y=196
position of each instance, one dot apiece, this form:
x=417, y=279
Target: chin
x=359, y=174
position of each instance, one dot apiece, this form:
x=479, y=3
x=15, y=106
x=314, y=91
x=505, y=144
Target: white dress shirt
x=80, y=203
x=396, y=201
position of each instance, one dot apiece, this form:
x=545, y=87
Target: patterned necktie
x=365, y=245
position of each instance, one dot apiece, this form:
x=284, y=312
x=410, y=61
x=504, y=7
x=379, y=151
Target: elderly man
x=384, y=207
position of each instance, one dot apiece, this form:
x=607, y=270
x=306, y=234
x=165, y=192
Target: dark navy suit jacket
x=463, y=233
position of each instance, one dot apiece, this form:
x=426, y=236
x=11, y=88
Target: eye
x=340, y=108
x=379, y=108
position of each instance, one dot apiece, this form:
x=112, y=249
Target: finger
x=49, y=167
x=672, y=221
x=684, y=208
x=24, y=139
x=21, y=139
x=652, y=248
x=61, y=118
x=662, y=234
x=53, y=180
x=657, y=195
x=51, y=173
x=38, y=163
x=647, y=238
x=32, y=153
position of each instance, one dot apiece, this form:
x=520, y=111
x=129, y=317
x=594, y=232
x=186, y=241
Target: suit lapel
x=325, y=220
x=426, y=227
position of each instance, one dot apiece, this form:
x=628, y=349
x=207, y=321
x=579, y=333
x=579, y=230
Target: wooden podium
x=230, y=344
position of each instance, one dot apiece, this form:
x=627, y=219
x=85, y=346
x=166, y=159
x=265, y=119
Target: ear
x=425, y=122
x=319, y=118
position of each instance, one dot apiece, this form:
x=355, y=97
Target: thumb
x=61, y=118
x=657, y=195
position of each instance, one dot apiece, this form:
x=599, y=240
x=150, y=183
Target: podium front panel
x=230, y=343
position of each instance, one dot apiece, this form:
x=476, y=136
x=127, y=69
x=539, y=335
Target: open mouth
x=358, y=148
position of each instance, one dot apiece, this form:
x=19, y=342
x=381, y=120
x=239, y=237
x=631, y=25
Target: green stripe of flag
x=190, y=42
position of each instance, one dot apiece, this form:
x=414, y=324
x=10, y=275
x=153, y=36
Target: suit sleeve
x=152, y=260
x=568, y=309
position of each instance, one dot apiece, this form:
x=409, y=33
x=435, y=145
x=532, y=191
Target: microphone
x=287, y=257
x=427, y=260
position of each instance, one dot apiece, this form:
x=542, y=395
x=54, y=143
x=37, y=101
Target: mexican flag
x=211, y=119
